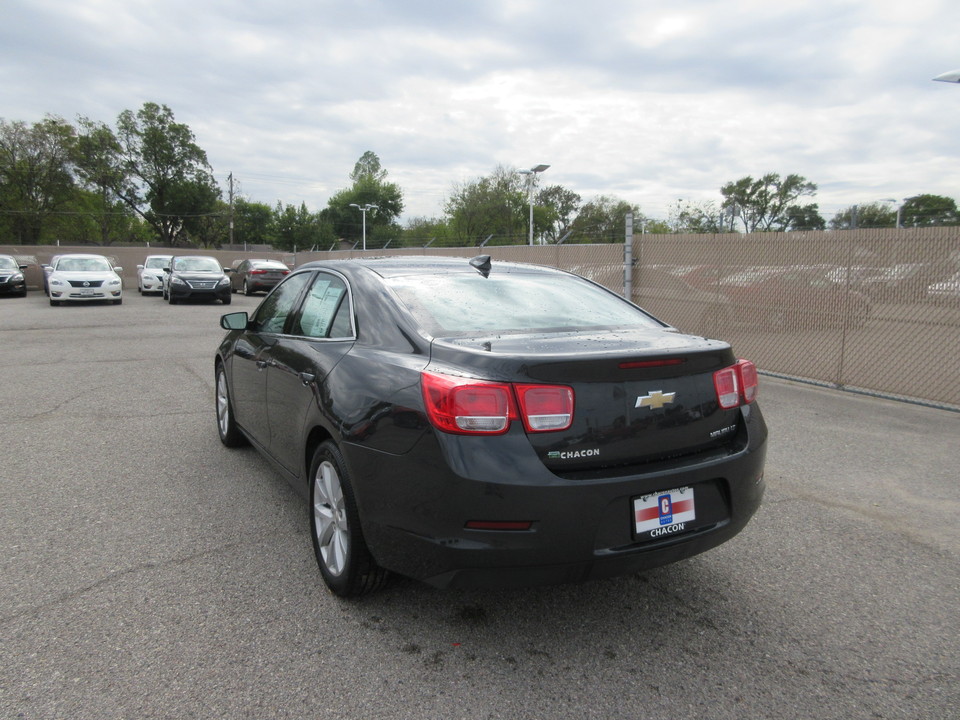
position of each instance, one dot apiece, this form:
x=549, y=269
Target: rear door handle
x=261, y=364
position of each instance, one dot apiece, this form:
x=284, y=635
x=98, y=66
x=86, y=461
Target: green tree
x=36, y=179
x=370, y=187
x=495, y=205
x=873, y=215
x=422, y=231
x=694, y=218
x=562, y=206
x=299, y=229
x=169, y=181
x=603, y=220
x=99, y=166
x=763, y=205
x=804, y=217
x=929, y=211
x=253, y=223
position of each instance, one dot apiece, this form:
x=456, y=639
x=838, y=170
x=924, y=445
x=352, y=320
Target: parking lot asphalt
x=148, y=572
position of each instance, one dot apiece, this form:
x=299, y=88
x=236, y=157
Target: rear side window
x=271, y=316
x=326, y=309
x=463, y=304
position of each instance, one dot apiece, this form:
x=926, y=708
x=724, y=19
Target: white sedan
x=150, y=274
x=81, y=277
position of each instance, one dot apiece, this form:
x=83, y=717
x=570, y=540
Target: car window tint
x=273, y=312
x=83, y=265
x=460, y=304
x=325, y=311
x=196, y=264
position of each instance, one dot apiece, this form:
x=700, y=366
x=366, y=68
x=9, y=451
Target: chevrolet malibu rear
x=483, y=424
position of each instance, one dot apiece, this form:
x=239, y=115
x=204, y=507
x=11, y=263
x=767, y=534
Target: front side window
x=7, y=263
x=271, y=316
x=326, y=309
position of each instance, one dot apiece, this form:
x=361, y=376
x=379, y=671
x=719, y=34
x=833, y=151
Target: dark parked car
x=195, y=277
x=12, y=280
x=257, y=275
x=782, y=298
x=469, y=423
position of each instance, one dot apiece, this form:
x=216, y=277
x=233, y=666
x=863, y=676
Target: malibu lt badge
x=655, y=400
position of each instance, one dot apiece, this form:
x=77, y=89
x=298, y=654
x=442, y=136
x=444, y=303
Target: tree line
x=147, y=180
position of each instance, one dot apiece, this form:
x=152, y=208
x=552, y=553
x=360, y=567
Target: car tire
x=171, y=299
x=227, y=429
x=54, y=303
x=246, y=289
x=345, y=563
x=118, y=302
x=227, y=300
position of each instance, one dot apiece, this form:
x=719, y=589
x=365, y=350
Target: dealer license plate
x=664, y=513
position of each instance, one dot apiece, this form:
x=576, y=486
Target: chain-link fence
x=870, y=310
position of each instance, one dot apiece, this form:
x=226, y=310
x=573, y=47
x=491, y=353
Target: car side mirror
x=234, y=321
x=118, y=270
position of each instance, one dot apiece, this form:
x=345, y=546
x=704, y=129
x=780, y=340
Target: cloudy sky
x=645, y=101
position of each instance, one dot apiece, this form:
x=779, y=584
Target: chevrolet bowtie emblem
x=656, y=399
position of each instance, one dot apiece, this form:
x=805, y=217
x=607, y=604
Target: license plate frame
x=664, y=513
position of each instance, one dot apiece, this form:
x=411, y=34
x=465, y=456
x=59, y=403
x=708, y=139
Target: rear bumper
x=414, y=519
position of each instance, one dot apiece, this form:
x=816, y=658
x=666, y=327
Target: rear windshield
x=462, y=304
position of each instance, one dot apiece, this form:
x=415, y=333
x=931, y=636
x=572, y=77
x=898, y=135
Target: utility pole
x=230, y=179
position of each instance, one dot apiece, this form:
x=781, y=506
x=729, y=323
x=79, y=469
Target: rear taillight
x=466, y=406
x=749, y=380
x=545, y=408
x=736, y=385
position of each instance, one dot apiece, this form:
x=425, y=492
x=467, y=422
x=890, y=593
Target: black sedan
x=12, y=281
x=469, y=423
x=195, y=277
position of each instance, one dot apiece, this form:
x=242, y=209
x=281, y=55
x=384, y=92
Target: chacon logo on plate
x=656, y=399
x=572, y=454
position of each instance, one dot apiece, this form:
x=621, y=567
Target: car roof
x=429, y=265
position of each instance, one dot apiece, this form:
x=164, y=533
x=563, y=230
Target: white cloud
x=649, y=105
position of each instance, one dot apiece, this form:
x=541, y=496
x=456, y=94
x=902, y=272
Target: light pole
x=531, y=178
x=363, y=211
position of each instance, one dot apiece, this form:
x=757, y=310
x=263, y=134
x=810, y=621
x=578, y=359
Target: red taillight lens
x=257, y=272
x=475, y=407
x=467, y=406
x=545, y=408
x=749, y=380
x=737, y=384
x=726, y=386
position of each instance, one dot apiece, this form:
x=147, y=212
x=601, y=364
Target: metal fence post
x=628, y=259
